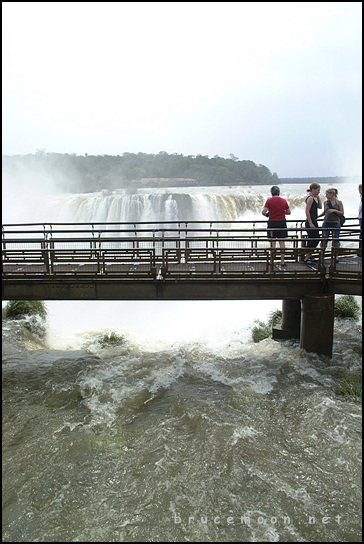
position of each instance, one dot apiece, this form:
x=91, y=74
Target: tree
x=95, y=172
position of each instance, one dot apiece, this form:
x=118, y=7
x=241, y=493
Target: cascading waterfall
x=171, y=209
x=177, y=204
x=144, y=206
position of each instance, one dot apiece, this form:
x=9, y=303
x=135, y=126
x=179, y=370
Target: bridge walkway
x=129, y=256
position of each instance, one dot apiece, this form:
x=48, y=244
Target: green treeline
x=76, y=173
x=88, y=173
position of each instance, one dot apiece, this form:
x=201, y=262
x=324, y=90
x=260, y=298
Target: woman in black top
x=313, y=202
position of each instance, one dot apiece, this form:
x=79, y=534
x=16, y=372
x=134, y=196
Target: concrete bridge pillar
x=290, y=325
x=317, y=324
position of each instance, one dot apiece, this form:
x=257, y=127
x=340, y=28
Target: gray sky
x=278, y=83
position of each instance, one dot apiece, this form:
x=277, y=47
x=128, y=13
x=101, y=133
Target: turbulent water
x=139, y=442
x=179, y=428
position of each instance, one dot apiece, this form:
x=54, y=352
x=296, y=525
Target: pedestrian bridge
x=172, y=261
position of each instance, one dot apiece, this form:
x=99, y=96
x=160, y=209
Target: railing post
x=45, y=253
x=51, y=255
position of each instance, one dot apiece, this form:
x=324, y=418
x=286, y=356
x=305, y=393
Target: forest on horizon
x=89, y=173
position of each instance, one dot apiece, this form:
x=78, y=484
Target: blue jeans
x=330, y=228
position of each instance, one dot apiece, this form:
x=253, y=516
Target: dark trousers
x=313, y=235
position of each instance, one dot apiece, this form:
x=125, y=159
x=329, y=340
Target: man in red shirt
x=277, y=208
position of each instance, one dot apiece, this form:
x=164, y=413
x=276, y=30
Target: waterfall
x=154, y=205
x=171, y=208
x=157, y=204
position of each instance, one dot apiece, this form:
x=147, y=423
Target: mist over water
x=185, y=430
x=212, y=322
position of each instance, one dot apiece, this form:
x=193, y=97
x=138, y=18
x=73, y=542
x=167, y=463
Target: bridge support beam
x=290, y=325
x=317, y=324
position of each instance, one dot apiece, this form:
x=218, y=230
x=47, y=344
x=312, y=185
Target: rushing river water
x=185, y=430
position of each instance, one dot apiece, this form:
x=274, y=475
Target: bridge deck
x=349, y=266
x=189, y=263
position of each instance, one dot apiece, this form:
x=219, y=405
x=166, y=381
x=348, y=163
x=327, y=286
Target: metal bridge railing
x=173, y=249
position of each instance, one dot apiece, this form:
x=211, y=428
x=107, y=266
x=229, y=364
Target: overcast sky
x=278, y=83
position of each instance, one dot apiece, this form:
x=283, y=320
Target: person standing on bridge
x=276, y=208
x=313, y=202
x=333, y=211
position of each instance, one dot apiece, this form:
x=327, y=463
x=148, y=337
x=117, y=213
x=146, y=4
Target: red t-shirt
x=277, y=207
